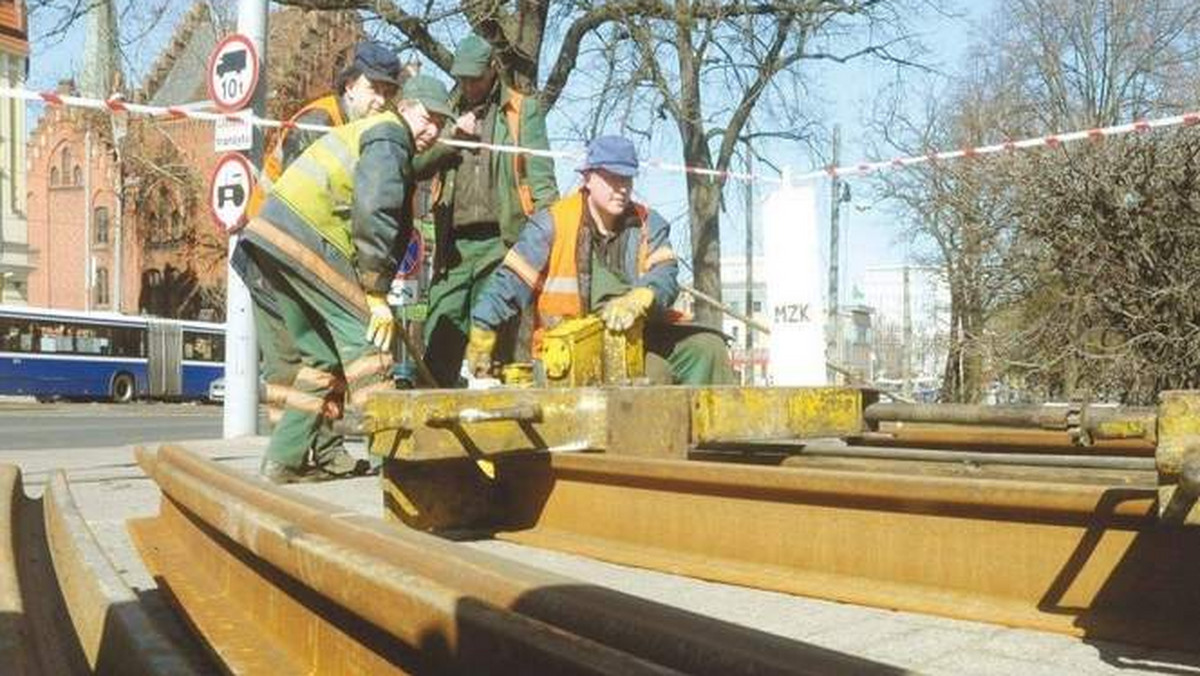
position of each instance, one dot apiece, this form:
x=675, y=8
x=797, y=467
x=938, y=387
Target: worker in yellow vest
x=326, y=242
x=481, y=199
x=598, y=251
x=363, y=88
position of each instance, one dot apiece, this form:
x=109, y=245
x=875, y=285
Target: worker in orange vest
x=598, y=251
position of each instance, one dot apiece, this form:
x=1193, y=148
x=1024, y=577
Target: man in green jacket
x=326, y=242
x=481, y=200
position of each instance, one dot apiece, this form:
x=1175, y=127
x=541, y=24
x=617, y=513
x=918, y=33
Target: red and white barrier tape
x=117, y=105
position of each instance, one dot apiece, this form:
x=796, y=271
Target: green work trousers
x=328, y=346
x=681, y=354
x=469, y=264
x=281, y=364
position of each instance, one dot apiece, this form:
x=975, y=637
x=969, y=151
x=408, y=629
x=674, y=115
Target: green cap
x=430, y=93
x=471, y=57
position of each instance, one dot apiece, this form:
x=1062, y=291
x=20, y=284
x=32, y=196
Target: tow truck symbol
x=231, y=192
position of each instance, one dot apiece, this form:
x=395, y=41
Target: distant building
x=928, y=321
x=752, y=365
x=15, y=262
x=161, y=254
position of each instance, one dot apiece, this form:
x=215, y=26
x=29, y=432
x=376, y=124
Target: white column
x=794, y=281
x=241, y=346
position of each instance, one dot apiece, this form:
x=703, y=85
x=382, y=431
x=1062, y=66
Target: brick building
x=161, y=254
x=14, y=238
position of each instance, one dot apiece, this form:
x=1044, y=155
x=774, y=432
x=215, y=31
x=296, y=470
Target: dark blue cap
x=377, y=62
x=615, y=154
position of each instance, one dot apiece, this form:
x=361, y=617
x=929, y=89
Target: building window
x=54, y=176
x=758, y=306
x=66, y=164
x=101, y=286
x=101, y=223
x=77, y=176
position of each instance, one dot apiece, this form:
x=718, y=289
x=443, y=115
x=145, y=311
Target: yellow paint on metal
x=749, y=413
x=1178, y=434
x=573, y=353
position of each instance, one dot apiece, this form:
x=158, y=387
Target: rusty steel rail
x=1088, y=558
x=277, y=582
x=1083, y=424
x=63, y=607
x=839, y=450
x=994, y=439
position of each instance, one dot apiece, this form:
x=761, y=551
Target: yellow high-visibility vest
x=319, y=185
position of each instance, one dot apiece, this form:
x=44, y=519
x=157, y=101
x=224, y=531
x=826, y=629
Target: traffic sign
x=232, y=73
x=229, y=191
x=414, y=255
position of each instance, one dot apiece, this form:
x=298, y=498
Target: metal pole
x=749, y=363
x=835, y=213
x=241, y=348
x=87, y=219
x=906, y=348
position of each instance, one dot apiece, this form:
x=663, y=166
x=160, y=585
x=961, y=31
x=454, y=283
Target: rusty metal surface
x=995, y=439
x=838, y=449
x=1178, y=449
x=280, y=583
x=1084, y=424
x=415, y=425
x=63, y=608
x=1087, y=559
x=721, y=414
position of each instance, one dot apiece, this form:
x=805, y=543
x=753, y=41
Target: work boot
x=341, y=464
x=282, y=474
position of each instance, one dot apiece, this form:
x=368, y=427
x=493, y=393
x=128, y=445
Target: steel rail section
x=834, y=449
x=1077, y=558
x=986, y=438
x=63, y=607
x=281, y=583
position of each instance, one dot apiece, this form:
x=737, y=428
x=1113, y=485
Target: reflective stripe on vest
x=558, y=295
x=273, y=162
x=319, y=185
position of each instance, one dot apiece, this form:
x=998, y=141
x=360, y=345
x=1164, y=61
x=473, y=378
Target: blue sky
x=871, y=232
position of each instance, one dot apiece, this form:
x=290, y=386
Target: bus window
x=128, y=342
x=93, y=340
x=203, y=346
x=16, y=334
x=55, y=338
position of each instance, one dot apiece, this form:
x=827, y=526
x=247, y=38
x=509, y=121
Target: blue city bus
x=102, y=355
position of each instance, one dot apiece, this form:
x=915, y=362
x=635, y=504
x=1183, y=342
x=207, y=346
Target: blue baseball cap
x=377, y=62
x=614, y=154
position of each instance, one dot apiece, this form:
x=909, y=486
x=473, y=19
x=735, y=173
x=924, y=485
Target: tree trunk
x=704, y=204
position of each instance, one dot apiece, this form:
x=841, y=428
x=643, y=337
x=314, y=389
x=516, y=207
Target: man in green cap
x=481, y=200
x=326, y=241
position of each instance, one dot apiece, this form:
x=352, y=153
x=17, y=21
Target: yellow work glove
x=382, y=324
x=621, y=312
x=480, y=344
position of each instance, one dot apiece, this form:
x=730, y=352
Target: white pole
x=241, y=348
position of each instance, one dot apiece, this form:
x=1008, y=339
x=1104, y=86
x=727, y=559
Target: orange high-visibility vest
x=273, y=161
x=557, y=293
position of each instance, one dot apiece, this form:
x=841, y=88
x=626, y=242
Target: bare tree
x=1087, y=294
x=703, y=64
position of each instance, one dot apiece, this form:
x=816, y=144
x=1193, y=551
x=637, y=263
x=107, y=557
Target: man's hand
x=621, y=312
x=480, y=344
x=382, y=324
x=467, y=125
